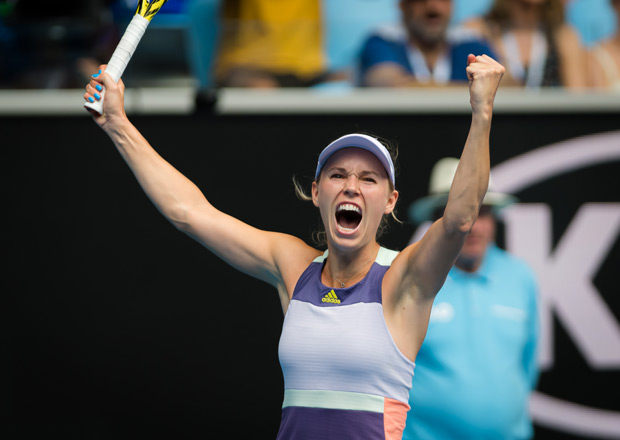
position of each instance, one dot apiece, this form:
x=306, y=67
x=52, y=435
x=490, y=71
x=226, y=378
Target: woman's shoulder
x=293, y=249
x=292, y=258
x=607, y=45
x=567, y=35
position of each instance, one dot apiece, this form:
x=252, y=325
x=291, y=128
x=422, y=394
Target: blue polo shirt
x=389, y=45
x=477, y=365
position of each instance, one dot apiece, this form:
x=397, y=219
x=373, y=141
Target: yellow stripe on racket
x=145, y=11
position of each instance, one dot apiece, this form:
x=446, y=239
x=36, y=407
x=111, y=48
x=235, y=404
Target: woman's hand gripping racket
x=126, y=47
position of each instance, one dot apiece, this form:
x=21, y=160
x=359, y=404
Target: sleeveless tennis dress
x=344, y=377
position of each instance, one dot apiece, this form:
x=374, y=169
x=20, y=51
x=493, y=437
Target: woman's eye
x=337, y=176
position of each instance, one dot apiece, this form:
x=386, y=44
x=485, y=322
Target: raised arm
x=274, y=258
x=421, y=269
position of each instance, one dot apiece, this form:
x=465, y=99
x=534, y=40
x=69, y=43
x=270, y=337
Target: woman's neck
x=343, y=268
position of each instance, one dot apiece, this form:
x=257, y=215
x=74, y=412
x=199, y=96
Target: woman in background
x=534, y=43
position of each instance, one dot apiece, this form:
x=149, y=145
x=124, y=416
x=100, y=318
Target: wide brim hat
x=443, y=172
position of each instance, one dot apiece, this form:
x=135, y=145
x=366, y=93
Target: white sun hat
x=441, y=179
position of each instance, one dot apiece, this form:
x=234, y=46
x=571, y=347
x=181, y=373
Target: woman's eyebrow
x=345, y=171
x=366, y=172
x=335, y=168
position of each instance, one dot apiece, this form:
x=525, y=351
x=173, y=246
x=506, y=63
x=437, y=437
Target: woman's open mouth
x=348, y=217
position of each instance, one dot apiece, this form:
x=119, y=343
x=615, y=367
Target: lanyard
x=538, y=58
x=421, y=72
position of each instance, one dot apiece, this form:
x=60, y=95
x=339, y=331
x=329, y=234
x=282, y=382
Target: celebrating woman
x=355, y=314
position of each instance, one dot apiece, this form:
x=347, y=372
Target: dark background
x=120, y=327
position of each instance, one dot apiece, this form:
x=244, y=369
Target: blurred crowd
x=330, y=43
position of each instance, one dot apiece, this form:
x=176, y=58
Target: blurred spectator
x=534, y=43
x=55, y=44
x=270, y=43
x=420, y=51
x=604, y=58
x=477, y=365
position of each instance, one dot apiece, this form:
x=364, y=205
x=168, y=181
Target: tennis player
x=357, y=313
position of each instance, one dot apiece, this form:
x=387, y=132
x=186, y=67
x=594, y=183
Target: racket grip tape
x=121, y=56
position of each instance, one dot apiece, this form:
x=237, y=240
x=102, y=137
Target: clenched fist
x=484, y=74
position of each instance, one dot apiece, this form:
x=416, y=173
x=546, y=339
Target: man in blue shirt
x=421, y=51
x=477, y=365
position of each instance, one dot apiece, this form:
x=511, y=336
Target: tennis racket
x=145, y=11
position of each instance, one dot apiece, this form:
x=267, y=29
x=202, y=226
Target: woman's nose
x=352, y=185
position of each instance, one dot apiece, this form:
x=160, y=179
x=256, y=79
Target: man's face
x=482, y=234
x=427, y=20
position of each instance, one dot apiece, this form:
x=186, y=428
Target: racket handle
x=121, y=56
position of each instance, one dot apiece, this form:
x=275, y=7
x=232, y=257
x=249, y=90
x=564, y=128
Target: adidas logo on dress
x=331, y=298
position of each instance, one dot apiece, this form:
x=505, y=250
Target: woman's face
x=353, y=194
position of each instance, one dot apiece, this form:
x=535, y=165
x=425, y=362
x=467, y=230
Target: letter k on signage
x=574, y=273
